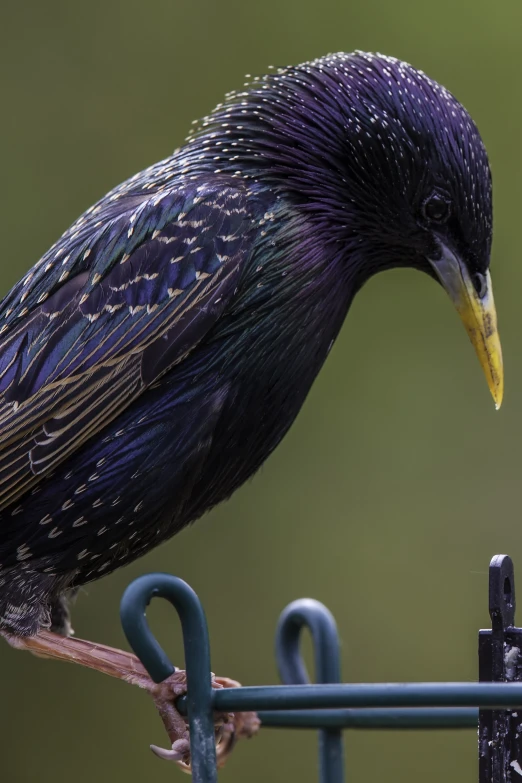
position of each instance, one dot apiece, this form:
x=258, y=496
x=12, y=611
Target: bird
x=158, y=353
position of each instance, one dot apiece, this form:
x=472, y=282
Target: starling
x=160, y=350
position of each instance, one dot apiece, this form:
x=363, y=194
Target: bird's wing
x=86, y=332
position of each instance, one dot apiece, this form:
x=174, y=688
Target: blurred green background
x=397, y=483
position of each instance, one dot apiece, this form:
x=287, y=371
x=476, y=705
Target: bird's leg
x=109, y=660
x=127, y=667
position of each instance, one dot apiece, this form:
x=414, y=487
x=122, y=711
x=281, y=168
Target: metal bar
x=311, y=614
x=330, y=706
x=198, y=702
x=406, y=718
x=399, y=694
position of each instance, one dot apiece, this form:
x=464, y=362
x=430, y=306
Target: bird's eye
x=436, y=208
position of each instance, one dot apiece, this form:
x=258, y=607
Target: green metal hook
x=133, y=607
x=311, y=614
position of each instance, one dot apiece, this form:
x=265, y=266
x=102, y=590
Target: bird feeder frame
x=329, y=705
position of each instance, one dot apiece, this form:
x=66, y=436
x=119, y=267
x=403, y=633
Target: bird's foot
x=125, y=666
x=229, y=726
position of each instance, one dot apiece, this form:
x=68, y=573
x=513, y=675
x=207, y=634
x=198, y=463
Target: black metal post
x=500, y=742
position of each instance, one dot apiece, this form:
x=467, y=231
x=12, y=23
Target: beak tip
x=498, y=395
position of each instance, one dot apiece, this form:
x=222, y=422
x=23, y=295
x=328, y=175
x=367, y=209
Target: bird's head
x=386, y=161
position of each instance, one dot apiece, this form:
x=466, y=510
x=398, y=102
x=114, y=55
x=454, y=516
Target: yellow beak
x=478, y=315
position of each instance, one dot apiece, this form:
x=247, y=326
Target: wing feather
x=158, y=277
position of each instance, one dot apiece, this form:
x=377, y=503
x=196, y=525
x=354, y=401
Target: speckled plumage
x=157, y=354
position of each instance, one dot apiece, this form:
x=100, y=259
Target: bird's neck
x=292, y=299
x=302, y=260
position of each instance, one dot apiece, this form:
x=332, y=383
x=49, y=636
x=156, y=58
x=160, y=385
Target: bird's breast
x=268, y=371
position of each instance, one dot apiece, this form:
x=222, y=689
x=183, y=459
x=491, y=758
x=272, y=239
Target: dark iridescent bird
x=157, y=354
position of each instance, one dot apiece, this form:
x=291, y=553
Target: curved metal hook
x=196, y=645
x=311, y=614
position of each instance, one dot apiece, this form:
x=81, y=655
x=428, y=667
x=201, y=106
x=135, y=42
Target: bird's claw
x=180, y=752
x=229, y=727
